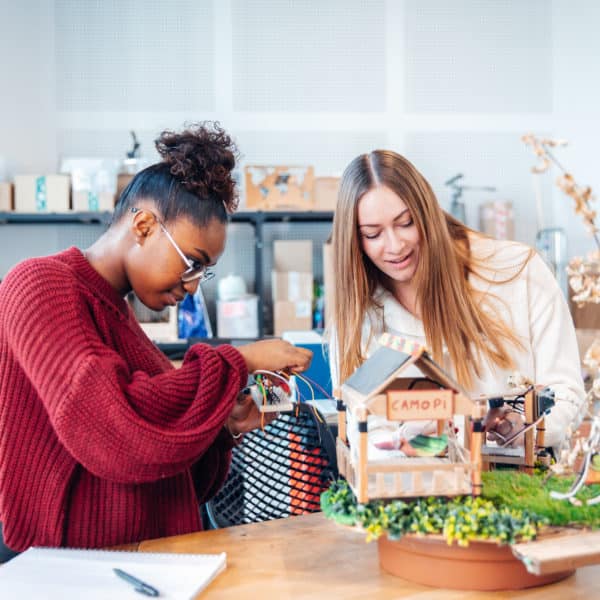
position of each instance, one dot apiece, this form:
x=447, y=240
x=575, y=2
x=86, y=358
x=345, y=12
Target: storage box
x=84, y=201
x=328, y=282
x=291, y=285
x=6, y=196
x=291, y=316
x=279, y=187
x=293, y=255
x=238, y=318
x=42, y=193
x=326, y=192
x=497, y=220
x=159, y=326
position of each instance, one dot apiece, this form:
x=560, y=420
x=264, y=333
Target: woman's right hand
x=275, y=355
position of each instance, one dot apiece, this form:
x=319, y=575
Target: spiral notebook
x=64, y=574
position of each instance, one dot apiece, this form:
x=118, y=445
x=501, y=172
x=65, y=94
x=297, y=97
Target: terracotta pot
x=480, y=566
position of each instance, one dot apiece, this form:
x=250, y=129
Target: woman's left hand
x=245, y=416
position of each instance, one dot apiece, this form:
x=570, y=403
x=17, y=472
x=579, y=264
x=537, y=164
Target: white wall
x=450, y=83
x=28, y=120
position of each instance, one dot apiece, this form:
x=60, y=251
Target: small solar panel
x=377, y=369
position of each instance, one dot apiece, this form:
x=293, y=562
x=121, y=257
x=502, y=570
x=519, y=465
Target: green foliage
x=458, y=519
x=532, y=492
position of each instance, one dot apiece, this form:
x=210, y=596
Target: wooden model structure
x=376, y=389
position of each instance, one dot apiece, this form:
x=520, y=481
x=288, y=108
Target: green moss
x=532, y=492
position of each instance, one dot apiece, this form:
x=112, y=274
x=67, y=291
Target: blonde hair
x=452, y=311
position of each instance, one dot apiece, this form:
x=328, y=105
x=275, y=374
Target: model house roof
x=393, y=356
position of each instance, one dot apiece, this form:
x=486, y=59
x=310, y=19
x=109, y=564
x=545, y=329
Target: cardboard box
x=497, y=219
x=6, y=196
x=238, y=318
x=159, y=326
x=326, y=192
x=291, y=316
x=293, y=255
x=279, y=187
x=86, y=201
x=42, y=193
x=163, y=331
x=328, y=282
x=291, y=285
x=123, y=180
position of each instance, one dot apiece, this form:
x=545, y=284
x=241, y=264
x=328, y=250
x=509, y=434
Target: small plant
x=459, y=520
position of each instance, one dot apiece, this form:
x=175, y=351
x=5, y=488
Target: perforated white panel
x=478, y=56
x=329, y=152
x=577, y=51
x=488, y=159
x=105, y=143
x=19, y=242
x=138, y=55
x=304, y=55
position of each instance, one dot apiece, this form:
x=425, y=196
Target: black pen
x=140, y=586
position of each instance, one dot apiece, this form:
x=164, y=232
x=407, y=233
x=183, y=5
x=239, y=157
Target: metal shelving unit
x=257, y=219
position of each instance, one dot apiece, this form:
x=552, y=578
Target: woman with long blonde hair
x=485, y=308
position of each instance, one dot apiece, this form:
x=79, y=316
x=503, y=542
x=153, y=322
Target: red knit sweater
x=98, y=433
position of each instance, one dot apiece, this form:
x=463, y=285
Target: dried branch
x=581, y=196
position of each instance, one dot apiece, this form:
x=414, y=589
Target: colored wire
x=310, y=387
x=273, y=374
x=315, y=384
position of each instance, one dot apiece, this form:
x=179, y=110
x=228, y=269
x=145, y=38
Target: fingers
x=296, y=357
x=270, y=417
x=275, y=355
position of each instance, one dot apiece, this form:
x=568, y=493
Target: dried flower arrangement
x=584, y=273
x=584, y=280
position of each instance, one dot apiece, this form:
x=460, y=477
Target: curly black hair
x=194, y=178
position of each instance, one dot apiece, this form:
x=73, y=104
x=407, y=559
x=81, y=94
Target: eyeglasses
x=195, y=271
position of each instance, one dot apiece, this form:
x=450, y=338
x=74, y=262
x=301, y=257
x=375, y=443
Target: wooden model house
x=377, y=388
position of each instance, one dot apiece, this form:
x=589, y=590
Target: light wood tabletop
x=311, y=557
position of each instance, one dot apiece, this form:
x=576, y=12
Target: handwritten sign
x=403, y=405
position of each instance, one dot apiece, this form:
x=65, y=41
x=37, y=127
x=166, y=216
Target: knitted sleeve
x=121, y=425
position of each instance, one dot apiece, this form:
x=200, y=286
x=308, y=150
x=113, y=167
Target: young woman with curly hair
x=485, y=308
x=102, y=441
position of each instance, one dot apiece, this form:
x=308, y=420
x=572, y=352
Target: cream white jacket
x=532, y=304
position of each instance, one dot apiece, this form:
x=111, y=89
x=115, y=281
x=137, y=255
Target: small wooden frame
x=523, y=456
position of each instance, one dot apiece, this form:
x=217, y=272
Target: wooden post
x=476, y=443
x=540, y=439
x=529, y=446
x=341, y=413
x=440, y=427
x=362, y=484
x=468, y=429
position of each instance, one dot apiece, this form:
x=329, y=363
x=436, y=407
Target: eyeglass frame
x=200, y=274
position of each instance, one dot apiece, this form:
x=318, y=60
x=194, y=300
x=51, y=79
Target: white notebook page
x=62, y=574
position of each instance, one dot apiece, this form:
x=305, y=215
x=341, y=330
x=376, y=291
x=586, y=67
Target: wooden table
x=311, y=557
